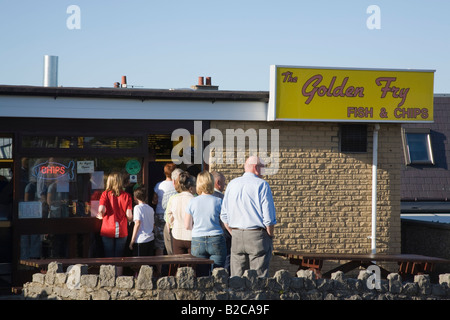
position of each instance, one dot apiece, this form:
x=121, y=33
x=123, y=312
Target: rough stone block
x=54, y=267
x=144, y=279
x=251, y=277
x=423, y=281
x=125, y=282
x=74, y=275
x=338, y=276
x=308, y=274
x=438, y=290
x=297, y=283
x=395, y=283
x=284, y=278
x=166, y=283
x=236, y=283
x=444, y=278
x=101, y=294
x=39, y=278
x=60, y=278
x=89, y=280
x=410, y=289
x=205, y=283
x=220, y=277
x=185, y=278
x=107, y=276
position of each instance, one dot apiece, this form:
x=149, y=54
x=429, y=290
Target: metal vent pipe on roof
x=50, y=71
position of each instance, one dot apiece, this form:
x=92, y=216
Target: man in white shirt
x=248, y=212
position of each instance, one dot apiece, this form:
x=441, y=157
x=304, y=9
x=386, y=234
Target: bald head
x=254, y=165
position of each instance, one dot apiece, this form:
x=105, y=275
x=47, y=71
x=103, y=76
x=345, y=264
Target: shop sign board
x=350, y=95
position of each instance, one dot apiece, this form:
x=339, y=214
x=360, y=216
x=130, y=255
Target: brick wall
x=322, y=196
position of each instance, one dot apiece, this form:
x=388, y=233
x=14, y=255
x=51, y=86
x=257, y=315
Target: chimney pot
x=204, y=86
x=124, y=81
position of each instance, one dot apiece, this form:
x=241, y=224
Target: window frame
x=406, y=147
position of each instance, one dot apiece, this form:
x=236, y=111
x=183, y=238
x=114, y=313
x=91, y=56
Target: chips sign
x=350, y=95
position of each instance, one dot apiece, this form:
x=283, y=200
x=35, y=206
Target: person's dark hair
x=185, y=181
x=140, y=194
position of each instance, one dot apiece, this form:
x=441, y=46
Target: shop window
x=112, y=142
x=417, y=146
x=5, y=148
x=78, y=142
x=160, y=147
x=70, y=187
x=353, y=138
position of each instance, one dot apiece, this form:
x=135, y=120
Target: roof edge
x=128, y=93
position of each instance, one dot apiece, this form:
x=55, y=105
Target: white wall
x=102, y=108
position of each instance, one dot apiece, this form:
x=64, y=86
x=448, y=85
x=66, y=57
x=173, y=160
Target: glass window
x=5, y=148
x=77, y=142
x=417, y=146
x=69, y=187
x=50, y=142
x=160, y=147
x=112, y=142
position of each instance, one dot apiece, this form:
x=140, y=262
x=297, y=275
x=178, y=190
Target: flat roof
x=133, y=93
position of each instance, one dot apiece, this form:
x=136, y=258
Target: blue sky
x=168, y=44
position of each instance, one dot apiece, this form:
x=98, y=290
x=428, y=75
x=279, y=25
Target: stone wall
x=77, y=284
x=323, y=196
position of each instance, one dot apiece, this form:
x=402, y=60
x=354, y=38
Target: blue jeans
x=212, y=247
x=114, y=247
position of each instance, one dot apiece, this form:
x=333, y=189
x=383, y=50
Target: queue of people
x=194, y=215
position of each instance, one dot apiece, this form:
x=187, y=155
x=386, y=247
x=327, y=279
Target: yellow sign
x=361, y=95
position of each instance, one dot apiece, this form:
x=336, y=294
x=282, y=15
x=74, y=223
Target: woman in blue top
x=203, y=218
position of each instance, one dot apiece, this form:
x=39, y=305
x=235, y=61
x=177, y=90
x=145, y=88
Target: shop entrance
x=159, y=149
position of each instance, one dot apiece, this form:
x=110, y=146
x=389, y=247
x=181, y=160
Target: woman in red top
x=116, y=210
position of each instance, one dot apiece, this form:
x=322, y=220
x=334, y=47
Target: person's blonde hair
x=114, y=183
x=205, y=183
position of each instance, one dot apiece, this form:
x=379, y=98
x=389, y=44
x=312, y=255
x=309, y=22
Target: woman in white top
x=176, y=213
x=161, y=188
